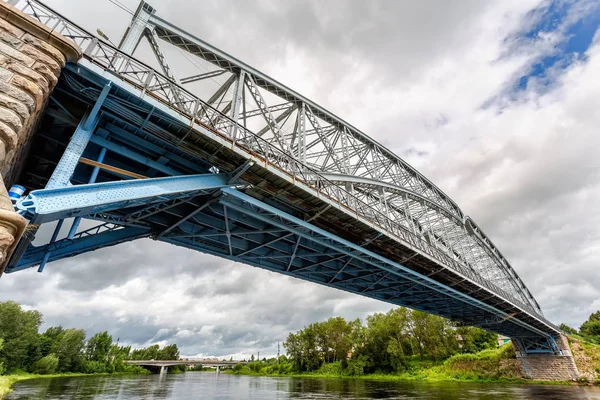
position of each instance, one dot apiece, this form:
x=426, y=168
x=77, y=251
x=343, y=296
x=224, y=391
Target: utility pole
x=277, y=352
x=258, y=358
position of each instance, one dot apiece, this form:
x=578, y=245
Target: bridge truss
x=249, y=170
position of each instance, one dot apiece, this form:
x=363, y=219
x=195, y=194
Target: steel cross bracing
x=317, y=149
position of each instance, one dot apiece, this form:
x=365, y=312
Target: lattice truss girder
x=246, y=104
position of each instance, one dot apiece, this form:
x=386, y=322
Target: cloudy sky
x=495, y=101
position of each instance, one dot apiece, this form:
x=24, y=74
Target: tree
x=170, y=352
x=70, y=350
x=338, y=338
x=49, y=340
x=46, y=365
x=19, y=330
x=98, y=347
x=434, y=336
x=567, y=329
x=476, y=339
x=591, y=327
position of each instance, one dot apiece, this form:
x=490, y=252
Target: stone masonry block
x=18, y=55
x=9, y=39
x=14, y=105
x=5, y=74
x=46, y=72
x=45, y=48
x=18, y=94
x=29, y=87
x=30, y=74
x=38, y=55
x=10, y=28
x=8, y=136
x=11, y=119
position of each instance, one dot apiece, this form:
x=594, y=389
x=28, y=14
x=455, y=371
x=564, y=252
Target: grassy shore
x=488, y=366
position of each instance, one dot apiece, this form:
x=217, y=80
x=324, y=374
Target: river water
x=207, y=385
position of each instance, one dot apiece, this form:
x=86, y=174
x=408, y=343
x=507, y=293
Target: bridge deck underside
x=270, y=223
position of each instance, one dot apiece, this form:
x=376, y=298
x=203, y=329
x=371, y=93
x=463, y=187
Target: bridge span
x=165, y=364
x=232, y=163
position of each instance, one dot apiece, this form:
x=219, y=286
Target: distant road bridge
x=232, y=163
x=164, y=364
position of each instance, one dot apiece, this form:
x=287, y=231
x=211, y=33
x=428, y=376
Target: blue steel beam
x=134, y=156
x=242, y=202
x=66, y=166
x=51, y=204
x=70, y=247
x=222, y=252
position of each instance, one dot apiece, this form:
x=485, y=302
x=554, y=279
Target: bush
x=333, y=368
x=356, y=367
x=238, y=368
x=46, y=365
x=94, y=367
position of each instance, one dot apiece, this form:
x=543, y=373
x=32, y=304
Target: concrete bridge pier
x=218, y=369
x=163, y=370
x=32, y=56
x=559, y=366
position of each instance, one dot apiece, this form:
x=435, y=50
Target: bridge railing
x=160, y=87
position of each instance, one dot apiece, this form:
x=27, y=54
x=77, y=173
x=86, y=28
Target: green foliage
x=154, y=352
x=19, y=330
x=70, y=350
x=236, y=369
x=98, y=347
x=23, y=348
x=567, y=329
x=46, y=365
x=398, y=341
x=356, y=367
x=475, y=339
x=590, y=329
x=319, y=343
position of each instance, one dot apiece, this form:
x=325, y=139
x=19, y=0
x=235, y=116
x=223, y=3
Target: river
x=206, y=385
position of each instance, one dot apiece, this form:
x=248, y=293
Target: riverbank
x=488, y=366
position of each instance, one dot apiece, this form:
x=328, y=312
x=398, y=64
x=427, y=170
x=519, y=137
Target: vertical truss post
x=235, y=107
x=135, y=31
x=61, y=176
x=302, y=134
x=344, y=140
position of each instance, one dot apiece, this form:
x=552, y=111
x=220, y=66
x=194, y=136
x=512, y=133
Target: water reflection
x=196, y=385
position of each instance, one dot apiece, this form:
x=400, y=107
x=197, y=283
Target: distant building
x=503, y=340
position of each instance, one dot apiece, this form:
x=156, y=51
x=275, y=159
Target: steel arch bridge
x=232, y=163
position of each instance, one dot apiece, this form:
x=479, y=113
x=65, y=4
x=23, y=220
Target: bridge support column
x=557, y=366
x=218, y=369
x=163, y=370
x=31, y=59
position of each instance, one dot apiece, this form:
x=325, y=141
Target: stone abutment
x=31, y=59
